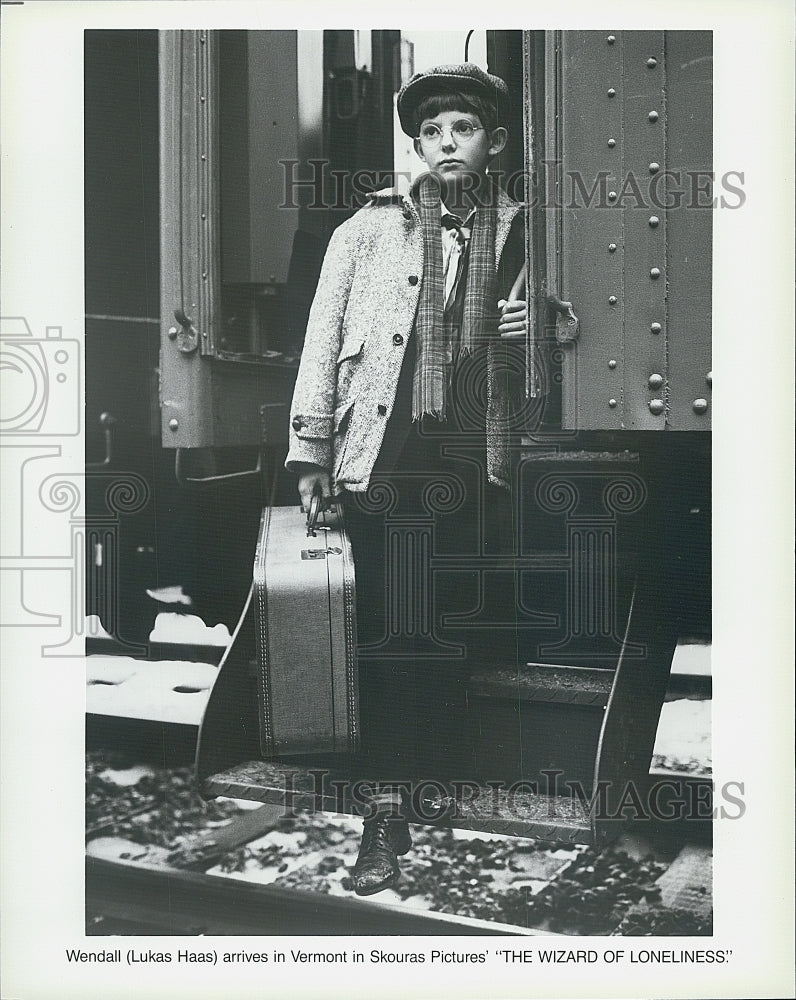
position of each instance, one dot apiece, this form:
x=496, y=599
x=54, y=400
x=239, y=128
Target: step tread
x=544, y=682
x=513, y=810
x=552, y=454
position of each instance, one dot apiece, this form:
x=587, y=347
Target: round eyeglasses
x=462, y=131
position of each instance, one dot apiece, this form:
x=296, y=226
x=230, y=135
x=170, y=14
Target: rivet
x=612, y=195
x=655, y=327
x=709, y=378
x=654, y=167
x=656, y=407
x=612, y=248
x=652, y=62
x=655, y=381
x=655, y=272
x=612, y=364
x=653, y=116
x=612, y=403
x=612, y=300
x=654, y=220
x=700, y=405
x=204, y=215
x=202, y=98
x=172, y=332
x=611, y=143
x=611, y=92
x=204, y=275
x=203, y=156
x=202, y=39
x=174, y=424
x=611, y=39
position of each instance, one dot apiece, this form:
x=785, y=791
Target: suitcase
x=305, y=613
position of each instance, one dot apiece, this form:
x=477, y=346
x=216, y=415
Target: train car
x=218, y=165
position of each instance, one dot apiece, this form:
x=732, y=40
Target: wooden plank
x=688, y=882
x=166, y=901
x=515, y=810
x=544, y=682
x=685, y=889
x=207, y=846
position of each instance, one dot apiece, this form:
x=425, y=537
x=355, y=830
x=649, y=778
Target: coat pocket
x=350, y=367
x=352, y=348
x=341, y=416
x=342, y=419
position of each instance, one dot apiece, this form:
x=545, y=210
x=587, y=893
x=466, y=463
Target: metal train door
x=627, y=141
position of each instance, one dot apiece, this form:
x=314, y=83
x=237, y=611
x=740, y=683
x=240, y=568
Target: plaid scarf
x=444, y=336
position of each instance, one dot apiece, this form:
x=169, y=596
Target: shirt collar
x=443, y=210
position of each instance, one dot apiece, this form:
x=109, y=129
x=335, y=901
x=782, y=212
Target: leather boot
x=376, y=868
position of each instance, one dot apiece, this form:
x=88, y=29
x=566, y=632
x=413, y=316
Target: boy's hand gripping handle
x=319, y=504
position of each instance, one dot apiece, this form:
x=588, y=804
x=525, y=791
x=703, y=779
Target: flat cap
x=444, y=79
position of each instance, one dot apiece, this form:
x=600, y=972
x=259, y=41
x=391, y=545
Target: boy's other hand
x=311, y=476
x=513, y=317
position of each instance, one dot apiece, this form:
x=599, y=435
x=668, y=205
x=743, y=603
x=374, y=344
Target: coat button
x=397, y=339
x=297, y=423
x=382, y=409
x=413, y=279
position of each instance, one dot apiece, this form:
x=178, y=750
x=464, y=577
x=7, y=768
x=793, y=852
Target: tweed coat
x=359, y=325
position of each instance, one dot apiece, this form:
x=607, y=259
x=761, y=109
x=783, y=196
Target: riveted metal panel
x=189, y=219
x=645, y=278
x=590, y=276
x=625, y=243
x=689, y=65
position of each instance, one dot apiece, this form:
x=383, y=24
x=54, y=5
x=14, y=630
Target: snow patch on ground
x=683, y=741
x=170, y=595
x=172, y=627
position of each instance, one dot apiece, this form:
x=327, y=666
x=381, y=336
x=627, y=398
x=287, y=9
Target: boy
x=400, y=363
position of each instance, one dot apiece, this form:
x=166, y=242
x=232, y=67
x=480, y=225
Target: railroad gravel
x=527, y=883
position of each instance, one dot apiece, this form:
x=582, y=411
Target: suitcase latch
x=335, y=550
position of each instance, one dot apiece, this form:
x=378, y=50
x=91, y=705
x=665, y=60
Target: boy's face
x=451, y=155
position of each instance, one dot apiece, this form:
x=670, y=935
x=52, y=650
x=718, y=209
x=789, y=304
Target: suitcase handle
x=316, y=503
x=319, y=504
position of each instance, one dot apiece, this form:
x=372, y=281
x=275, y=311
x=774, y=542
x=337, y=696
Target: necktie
x=455, y=256
x=463, y=232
